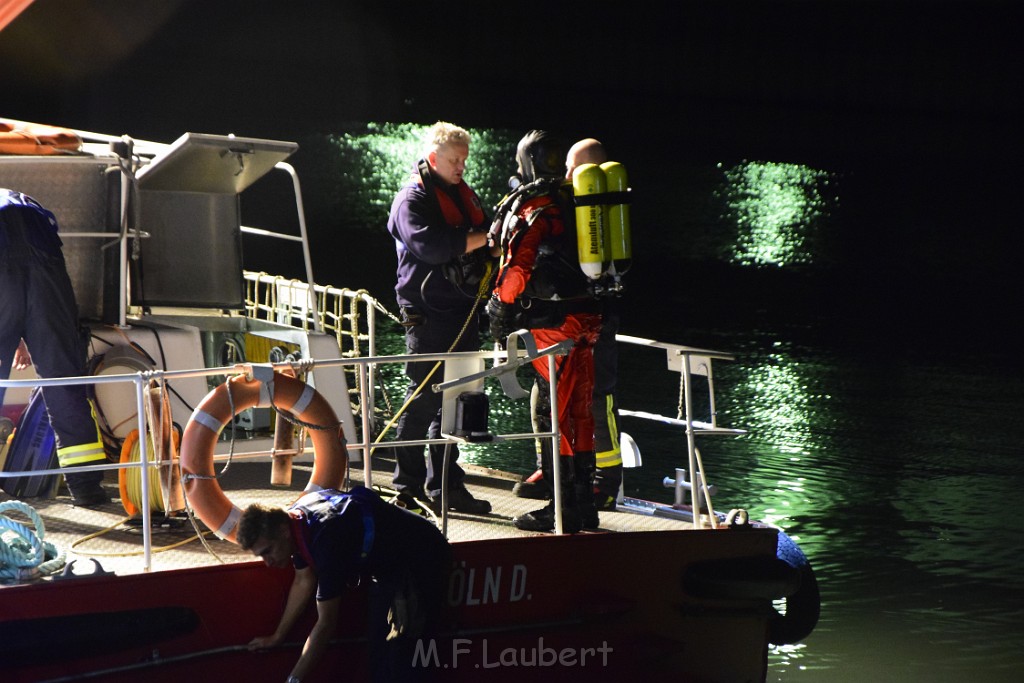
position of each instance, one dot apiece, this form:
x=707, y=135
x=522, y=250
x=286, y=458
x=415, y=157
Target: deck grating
x=115, y=541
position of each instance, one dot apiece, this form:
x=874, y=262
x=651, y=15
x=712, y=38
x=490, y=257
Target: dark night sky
x=757, y=78
x=920, y=100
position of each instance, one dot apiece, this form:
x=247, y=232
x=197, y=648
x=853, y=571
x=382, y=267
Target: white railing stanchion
x=367, y=412
x=147, y=521
x=556, y=442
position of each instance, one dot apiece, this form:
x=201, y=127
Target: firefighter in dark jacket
x=38, y=309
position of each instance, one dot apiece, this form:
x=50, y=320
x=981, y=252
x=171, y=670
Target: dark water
x=892, y=475
x=869, y=309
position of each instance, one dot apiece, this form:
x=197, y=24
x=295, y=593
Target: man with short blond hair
x=440, y=232
x=443, y=133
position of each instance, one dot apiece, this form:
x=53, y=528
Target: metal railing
x=349, y=314
x=145, y=379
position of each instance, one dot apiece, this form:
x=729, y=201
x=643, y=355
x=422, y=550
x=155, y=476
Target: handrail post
x=556, y=443
x=371, y=333
x=691, y=445
x=311, y=292
x=367, y=411
x=122, y=291
x=147, y=525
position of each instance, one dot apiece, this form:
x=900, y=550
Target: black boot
x=607, y=481
x=585, y=464
x=86, y=490
x=534, y=486
x=544, y=519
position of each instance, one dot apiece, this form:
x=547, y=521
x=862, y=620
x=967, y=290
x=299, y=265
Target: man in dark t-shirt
x=336, y=539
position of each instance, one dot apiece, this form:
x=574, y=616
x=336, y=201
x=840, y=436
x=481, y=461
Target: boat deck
x=114, y=539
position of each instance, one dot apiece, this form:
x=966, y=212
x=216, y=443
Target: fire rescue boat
x=153, y=586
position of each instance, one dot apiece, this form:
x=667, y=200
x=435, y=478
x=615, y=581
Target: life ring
x=37, y=139
x=274, y=389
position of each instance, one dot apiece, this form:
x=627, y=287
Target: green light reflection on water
x=776, y=209
x=375, y=161
x=784, y=416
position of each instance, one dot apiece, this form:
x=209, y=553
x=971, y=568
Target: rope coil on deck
x=26, y=555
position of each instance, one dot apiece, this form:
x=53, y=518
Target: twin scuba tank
x=603, y=236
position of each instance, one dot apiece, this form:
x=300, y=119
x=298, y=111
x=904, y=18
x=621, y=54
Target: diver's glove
x=504, y=320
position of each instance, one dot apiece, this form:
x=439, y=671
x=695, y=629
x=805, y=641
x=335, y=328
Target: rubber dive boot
x=544, y=519
x=535, y=487
x=585, y=464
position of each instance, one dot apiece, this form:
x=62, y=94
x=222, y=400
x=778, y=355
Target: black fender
x=787, y=576
x=803, y=607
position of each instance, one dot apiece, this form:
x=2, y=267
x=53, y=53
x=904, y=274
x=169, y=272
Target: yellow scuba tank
x=588, y=179
x=619, y=242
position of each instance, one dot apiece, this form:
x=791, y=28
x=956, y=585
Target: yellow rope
x=482, y=294
x=132, y=553
x=133, y=476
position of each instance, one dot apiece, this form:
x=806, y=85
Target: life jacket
x=465, y=271
x=453, y=214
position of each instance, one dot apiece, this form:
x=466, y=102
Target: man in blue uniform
x=336, y=539
x=440, y=233
x=38, y=308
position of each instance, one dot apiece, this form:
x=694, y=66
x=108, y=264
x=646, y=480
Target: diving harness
x=596, y=204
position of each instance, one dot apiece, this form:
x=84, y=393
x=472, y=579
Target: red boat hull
x=598, y=605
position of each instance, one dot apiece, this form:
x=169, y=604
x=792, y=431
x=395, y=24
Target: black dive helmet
x=540, y=154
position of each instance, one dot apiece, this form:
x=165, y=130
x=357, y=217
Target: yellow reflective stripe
x=613, y=456
x=95, y=421
x=76, y=455
x=609, y=458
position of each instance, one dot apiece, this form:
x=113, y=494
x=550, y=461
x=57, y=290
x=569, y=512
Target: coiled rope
x=24, y=554
x=133, y=477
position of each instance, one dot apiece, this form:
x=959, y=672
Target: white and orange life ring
x=37, y=139
x=330, y=464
